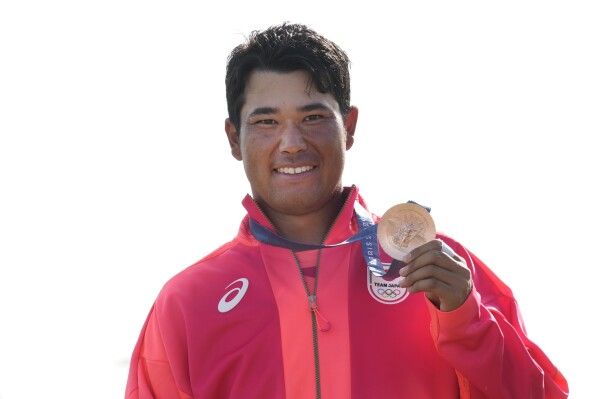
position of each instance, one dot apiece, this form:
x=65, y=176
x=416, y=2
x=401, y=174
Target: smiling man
x=290, y=307
x=292, y=140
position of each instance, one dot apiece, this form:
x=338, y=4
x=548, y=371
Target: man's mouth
x=293, y=171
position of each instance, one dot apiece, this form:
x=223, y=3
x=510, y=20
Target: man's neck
x=310, y=228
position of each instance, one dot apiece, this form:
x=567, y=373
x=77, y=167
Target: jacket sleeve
x=486, y=342
x=150, y=372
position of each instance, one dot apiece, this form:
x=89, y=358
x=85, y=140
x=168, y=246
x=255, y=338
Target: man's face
x=292, y=142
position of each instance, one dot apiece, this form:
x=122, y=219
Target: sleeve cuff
x=456, y=320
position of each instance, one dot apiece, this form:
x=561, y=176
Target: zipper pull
x=322, y=323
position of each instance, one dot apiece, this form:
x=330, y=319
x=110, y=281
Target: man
x=258, y=318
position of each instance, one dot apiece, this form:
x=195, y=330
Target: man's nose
x=292, y=139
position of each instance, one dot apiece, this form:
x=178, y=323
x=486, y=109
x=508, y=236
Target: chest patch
x=385, y=290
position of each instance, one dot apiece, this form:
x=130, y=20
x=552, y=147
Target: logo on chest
x=386, y=290
x=234, y=295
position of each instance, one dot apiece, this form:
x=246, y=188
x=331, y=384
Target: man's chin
x=299, y=202
x=296, y=206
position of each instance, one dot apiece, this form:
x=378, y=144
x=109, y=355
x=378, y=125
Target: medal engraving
x=405, y=232
x=403, y=228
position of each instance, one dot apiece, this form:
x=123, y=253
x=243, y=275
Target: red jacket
x=237, y=324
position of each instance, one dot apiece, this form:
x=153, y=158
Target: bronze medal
x=405, y=227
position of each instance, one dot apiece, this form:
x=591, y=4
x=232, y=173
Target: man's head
x=290, y=120
x=287, y=48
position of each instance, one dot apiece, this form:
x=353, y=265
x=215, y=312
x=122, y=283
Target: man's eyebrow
x=263, y=111
x=315, y=107
x=305, y=108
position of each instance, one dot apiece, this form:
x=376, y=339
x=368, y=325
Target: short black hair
x=286, y=48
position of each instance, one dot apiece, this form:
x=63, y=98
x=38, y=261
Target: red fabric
x=262, y=346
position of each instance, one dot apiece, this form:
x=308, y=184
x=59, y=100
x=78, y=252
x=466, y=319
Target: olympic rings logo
x=388, y=292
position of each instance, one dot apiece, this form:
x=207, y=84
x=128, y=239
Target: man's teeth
x=292, y=171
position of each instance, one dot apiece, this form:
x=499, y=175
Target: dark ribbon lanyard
x=367, y=234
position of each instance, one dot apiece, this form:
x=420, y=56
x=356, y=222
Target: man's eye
x=313, y=117
x=266, y=122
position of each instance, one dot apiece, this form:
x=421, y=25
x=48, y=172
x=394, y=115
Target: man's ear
x=233, y=136
x=351, y=120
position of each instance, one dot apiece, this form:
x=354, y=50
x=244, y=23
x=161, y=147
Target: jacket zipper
x=312, y=298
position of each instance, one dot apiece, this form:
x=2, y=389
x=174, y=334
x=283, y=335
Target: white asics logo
x=234, y=296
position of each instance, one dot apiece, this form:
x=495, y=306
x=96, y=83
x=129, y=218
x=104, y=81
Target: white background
x=115, y=172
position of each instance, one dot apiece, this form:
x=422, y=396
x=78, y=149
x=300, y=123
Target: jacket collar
x=344, y=226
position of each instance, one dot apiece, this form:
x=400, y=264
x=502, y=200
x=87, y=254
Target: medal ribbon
x=367, y=234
